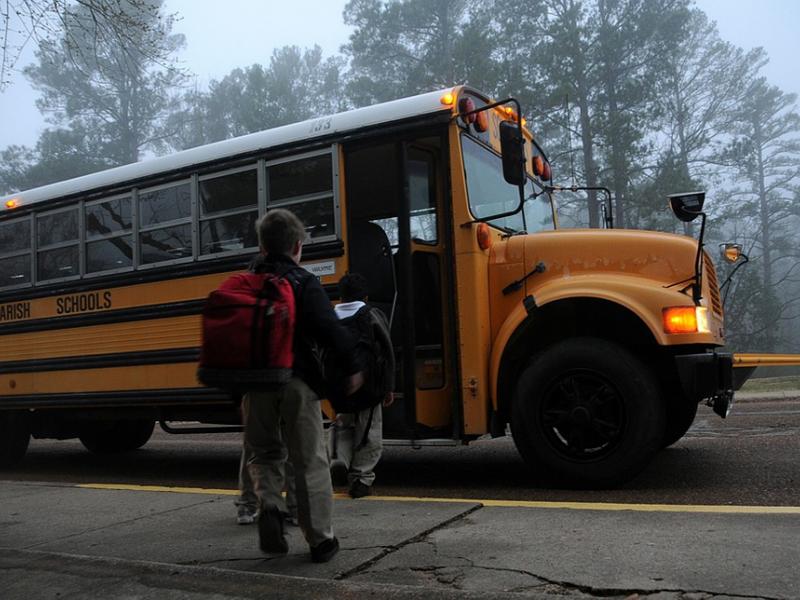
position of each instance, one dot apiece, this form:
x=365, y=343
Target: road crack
x=412, y=540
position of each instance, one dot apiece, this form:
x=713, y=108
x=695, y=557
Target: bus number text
x=320, y=125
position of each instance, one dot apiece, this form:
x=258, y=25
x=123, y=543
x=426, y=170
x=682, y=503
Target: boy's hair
x=279, y=230
x=352, y=287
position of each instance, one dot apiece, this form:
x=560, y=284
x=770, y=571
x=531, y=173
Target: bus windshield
x=490, y=194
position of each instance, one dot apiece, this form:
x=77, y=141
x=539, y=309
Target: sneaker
x=271, y=539
x=338, y=473
x=359, y=489
x=247, y=515
x=325, y=551
x=291, y=518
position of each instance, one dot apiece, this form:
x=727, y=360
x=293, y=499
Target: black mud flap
x=709, y=376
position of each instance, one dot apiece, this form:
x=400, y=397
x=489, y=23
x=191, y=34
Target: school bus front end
x=599, y=359
x=596, y=346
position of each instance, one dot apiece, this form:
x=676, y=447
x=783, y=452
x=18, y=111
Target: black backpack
x=370, y=355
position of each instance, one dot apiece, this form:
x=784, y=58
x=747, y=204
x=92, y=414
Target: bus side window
x=305, y=187
x=15, y=252
x=165, y=223
x=57, y=245
x=228, y=211
x=109, y=242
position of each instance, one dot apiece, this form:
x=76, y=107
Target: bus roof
x=318, y=127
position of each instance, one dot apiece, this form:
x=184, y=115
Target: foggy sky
x=247, y=31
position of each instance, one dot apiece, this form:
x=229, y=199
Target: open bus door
x=397, y=238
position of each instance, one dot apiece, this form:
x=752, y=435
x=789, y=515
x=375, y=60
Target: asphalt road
x=752, y=458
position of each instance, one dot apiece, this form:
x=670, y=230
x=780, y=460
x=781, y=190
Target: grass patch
x=772, y=384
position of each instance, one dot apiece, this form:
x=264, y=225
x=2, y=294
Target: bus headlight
x=686, y=319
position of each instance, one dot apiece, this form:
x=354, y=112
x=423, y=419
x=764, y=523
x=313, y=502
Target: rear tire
x=587, y=413
x=14, y=437
x=113, y=437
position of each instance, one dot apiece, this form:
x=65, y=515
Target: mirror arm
x=728, y=279
x=696, y=288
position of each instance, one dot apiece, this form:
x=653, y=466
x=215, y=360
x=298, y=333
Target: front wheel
x=111, y=437
x=587, y=413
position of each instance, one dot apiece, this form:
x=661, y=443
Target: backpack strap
x=365, y=439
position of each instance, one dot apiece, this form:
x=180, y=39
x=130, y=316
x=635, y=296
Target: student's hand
x=388, y=399
x=353, y=383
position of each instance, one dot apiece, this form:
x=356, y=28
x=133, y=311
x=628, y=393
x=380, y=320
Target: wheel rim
x=582, y=415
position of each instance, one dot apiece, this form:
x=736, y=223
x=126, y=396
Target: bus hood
x=644, y=270
x=662, y=257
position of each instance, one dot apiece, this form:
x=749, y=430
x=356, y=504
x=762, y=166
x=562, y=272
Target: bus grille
x=713, y=284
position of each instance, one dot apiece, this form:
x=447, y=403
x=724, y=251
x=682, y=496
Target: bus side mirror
x=687, y=206
x=513, y=149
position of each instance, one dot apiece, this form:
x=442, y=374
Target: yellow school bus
x=595, y=346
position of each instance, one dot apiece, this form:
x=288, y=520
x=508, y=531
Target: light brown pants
x=295, y=407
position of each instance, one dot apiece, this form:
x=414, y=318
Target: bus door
x=397, y=240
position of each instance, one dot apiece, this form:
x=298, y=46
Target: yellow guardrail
x=765, y=360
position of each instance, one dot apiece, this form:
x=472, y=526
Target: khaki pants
x=295, y=409
x=346, y=439
x=247, y=495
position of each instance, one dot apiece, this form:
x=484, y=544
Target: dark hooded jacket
x=316, y=323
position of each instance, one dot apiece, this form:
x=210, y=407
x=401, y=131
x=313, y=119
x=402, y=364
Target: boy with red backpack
x=281, y=379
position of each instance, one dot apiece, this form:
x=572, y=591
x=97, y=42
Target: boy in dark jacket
x=357, y=438
x=288, y=420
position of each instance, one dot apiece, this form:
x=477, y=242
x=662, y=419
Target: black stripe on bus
x=122, y=315
x=118, y=359
x=132, y=398
x=332, y=249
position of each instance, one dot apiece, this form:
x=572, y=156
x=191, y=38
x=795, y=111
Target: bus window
x=428, y=320
x=109, y=242
x=172, y=205
x=228, y=211
x=57, y=245
x=489, y=193
x=305, y=186
x=15, y=257
x=538, y=213
x=423, y=222
x=422, y=199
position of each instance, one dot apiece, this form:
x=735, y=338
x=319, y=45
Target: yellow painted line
x=607, y=506
x=157, y=488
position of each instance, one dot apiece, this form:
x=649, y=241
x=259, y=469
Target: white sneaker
x=247, y=516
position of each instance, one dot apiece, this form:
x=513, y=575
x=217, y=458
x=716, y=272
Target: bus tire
x=680, y=417
x=14, y=437
x=587, y=414
x=117, y=436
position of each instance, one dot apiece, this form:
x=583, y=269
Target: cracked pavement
x=92, y=543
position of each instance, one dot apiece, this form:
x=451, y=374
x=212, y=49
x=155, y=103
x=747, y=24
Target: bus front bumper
x=714, y=376
x=710, y=376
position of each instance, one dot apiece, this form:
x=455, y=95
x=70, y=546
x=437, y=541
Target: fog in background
x=247, y=31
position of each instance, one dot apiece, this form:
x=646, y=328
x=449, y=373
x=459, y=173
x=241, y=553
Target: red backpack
x=248, y=333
